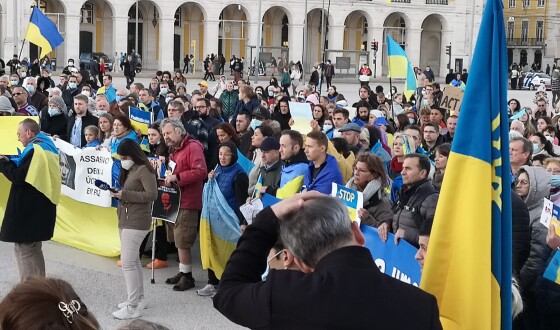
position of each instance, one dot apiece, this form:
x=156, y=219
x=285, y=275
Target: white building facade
x=169, y=29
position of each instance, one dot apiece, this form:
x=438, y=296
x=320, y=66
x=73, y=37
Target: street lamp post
x=136, y=30
x=259, y=44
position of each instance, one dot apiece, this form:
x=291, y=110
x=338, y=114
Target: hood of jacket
x=539, y=187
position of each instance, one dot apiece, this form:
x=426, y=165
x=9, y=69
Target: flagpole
x=23, y=41
x=390, y=91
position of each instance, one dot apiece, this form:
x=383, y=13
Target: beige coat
x=138, y=194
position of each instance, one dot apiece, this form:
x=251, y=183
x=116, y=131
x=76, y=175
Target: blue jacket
x=323, y=182
x=116, y=169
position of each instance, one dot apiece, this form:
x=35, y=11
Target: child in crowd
x=91, y=133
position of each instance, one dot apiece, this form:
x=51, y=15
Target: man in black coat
x=521, y=234
x=339, y=285
x=78, y=122
x=30, y=216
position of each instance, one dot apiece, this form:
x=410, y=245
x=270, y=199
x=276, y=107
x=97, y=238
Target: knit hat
x=5, y=105
x=59, y=102
x=270, y=143
x=179, y=85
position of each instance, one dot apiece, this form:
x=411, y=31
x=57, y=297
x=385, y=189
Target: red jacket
x=191, y=171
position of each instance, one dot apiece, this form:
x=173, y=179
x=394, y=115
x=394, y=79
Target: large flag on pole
x=42, y=32
x=468, y=265
x=400, y=67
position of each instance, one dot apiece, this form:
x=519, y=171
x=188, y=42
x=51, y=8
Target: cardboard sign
x=354, y=200
x=166, y=206
x=302, y=115
x=550, y=215
x=452, y=98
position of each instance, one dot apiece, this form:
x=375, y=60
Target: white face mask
x=86, y=93
x=127, y=164
x=326, y=127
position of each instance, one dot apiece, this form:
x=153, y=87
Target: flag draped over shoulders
x=468, y=263
x=44, y=169
x=219, y=229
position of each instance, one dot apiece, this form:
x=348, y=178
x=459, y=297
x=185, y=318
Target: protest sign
x=302, y=115
x=452, y=98
x=8, y=134
x=550, y=214
x=140, y=119
x=354, y=200
x=166, y=206
x=552, y=272
x=80, y=168
x=396, y=261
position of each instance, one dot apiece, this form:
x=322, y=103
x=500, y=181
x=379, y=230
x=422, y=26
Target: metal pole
x=259, y=44
x=322, y=45
x=16, y=32
x=136, y=31
x=304, y=56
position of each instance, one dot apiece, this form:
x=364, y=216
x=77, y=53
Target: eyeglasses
x=554, y=172
x=16, y=94
x=522, y=182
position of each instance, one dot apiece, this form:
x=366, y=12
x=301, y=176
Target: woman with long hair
x=403, y=144
x=105, y=129
x=442, y=154
x=370, y=179
x=233, y=183
x=282, y=113
x=139, y=190
x=541, y=146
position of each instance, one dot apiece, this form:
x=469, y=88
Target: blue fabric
x=217, y=212
x=111, y=94
x=245, y=163
x=41, y=139
x=378, y=150
x=358, y=121
x=93, y=143
x=76, y=134
x=323, y=182
x=395, y=187
x=116, y=170
x=225, y=177
x=330, y=133
x=291, y=172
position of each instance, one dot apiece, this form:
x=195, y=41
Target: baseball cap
x=261, y=112
x=351, y=127
x=203, y=83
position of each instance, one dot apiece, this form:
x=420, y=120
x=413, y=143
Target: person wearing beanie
x=53, y=118
x=6, y=108
x=181, y=89
x=271, y=166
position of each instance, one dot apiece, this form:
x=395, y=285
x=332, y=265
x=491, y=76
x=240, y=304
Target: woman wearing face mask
x=328, y=126
x=122, y=130
x=552, y=165
x=370, y=179
x=53, y=118
x=232, y=182
x=541, y=146
x=282, y=113
x=442, y=154
x=273, y=84
x=533, y=185
x=139, y=189
x=401, y=122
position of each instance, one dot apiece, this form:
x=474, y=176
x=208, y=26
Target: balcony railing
x=437, y=2
x=401, y=1
x=530, y=42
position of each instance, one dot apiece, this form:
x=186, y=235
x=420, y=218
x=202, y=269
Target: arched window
x=132, y=13
x=178, y=17
x=87, y=13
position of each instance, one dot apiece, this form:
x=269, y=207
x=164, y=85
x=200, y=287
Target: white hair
x=514, y=134
x=516, y=301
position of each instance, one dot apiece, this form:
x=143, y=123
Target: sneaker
x=175, y=279
x=185, y=283
x=141, y=304
x=208, y=290
x=127, y=313
x=158, y=264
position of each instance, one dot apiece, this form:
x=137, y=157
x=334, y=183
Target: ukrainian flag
x=399, y=66
x=245, y=162
x=291, y=188
x=219, y=229
x=42, y=32
x=468, y=265
x=258, y=186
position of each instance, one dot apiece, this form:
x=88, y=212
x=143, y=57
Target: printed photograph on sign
x=68, y=170
x=166, y=206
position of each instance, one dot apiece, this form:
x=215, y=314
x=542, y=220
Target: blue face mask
x=72, y=85
x=30, y=89
x=411, y=121
x=255, y=123
x=119, y=98
x=53, y=112
x=536, y=148
x=555, y=181
x=163, y=91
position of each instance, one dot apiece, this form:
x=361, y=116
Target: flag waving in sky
x=400, y=67
x=468, y=263
x=42, y=32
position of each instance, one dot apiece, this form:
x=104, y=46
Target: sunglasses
x=15, y=94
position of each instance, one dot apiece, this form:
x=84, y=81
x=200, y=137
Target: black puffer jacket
x=521, y=233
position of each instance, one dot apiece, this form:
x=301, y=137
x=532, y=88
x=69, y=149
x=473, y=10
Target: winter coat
x=328, y=175
x=376, y=203
x=229, y=101
x=414, y=206
x=539, y=188
x=138, y=193
x=270, y=176
x=521, y=234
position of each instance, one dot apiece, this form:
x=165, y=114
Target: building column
x=166, y=33
x=211, y=34
x=253, y=40
x=336, y=38
x=72, y=45
x=295, y=42
x=10, y=34
x=413, y=41
x=120, y=35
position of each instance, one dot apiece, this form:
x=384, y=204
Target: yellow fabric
x=8, y=134
x=398, y=66
x=462, y=230
x=34, y=36
x=291, y=188
x=44, y=173
x=87, y=227
x=343, y=165
x=209, y=245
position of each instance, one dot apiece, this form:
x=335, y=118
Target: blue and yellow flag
x=42, y=32
x=140, y=119
x=245, y=162
x=468, y=265
x=400, y=67
x=219, y=229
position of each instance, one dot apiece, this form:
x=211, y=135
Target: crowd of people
x=394, y=150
